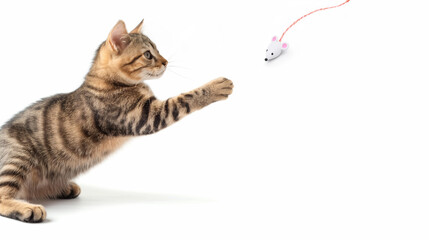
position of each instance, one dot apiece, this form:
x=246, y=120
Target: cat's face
x=133, y=56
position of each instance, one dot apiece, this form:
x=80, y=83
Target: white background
x=329, y=141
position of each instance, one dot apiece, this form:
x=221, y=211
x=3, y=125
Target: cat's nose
x=163, y=61
x=266, y=59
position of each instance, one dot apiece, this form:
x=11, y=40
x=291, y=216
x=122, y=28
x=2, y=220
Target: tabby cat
x=52, y=141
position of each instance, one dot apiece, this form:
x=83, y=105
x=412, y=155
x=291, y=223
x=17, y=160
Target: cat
x=52, y=141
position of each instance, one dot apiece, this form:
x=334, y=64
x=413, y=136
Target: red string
x=321, y=9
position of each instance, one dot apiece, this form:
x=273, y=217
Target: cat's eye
x=266, y=51
x=148, y=55
x=272, y=53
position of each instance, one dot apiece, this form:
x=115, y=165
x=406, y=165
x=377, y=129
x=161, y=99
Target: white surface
x=329, y=141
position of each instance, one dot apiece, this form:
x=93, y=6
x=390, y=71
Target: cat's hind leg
x=13, y=174
x=56, y=188
x=72, y=190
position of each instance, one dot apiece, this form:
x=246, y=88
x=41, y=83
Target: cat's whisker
x=177, y=66
x=180, y=75
x=172, y=55
x=171, y=58
x=173, y=63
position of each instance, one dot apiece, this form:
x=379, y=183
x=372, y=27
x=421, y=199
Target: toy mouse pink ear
x=274, y=38
x=284, y=45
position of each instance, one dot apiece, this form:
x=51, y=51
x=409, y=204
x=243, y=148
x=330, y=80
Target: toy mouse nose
x=266, y=59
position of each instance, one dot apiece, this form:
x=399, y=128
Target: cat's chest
x=107, y=146
x=99, y=153
x=104, y=148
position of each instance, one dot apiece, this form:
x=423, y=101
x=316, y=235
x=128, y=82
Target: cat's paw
x=33, y=213
x=72, y=191
x=219, y=89
x=27, y=212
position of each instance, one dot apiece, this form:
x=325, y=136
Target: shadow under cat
x=95, y=196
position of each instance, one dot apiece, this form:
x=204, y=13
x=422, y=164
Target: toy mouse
x=275, y=49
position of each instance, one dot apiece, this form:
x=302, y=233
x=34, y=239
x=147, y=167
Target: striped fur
x=52, y=141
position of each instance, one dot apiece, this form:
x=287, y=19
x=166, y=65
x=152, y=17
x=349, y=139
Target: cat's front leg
x=172, y=110
x=154, y=115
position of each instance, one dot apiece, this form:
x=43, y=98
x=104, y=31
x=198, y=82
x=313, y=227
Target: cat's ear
x=117, y=39
x=138, y=29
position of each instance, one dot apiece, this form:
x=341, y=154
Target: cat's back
x=28, y=124
x=30, y=116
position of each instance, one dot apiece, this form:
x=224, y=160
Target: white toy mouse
x=275, y=49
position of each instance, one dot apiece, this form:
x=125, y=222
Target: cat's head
x=130, y=57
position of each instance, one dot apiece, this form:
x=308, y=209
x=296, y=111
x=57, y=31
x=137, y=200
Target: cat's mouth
x=157, y=74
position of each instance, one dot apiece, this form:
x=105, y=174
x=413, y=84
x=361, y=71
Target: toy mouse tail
x=308, y=14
